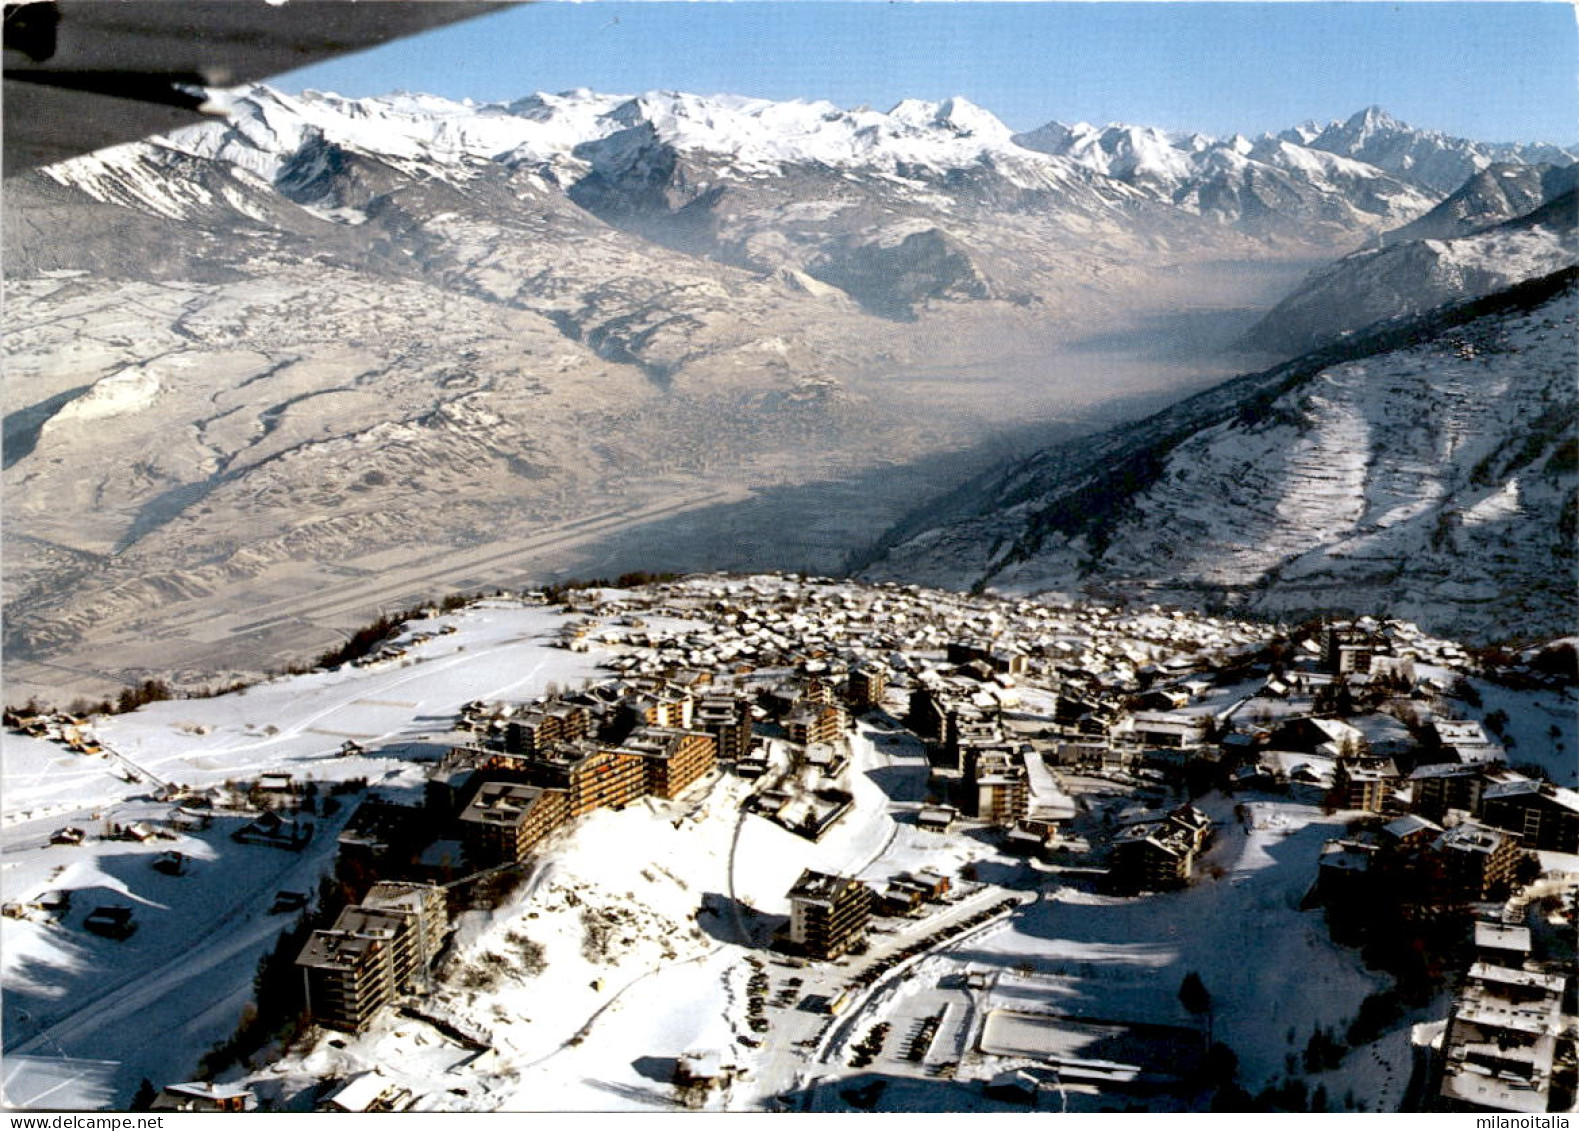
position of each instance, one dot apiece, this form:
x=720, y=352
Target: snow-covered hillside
x=1428, y=472
x=362, y=349
x=1411, y=274
x=1492, y=196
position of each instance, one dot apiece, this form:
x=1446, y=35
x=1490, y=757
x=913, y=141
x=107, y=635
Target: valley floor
x=972, y=393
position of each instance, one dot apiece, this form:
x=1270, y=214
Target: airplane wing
x=83, y=74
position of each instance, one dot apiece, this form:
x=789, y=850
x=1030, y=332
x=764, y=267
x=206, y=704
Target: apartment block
x=828, y=914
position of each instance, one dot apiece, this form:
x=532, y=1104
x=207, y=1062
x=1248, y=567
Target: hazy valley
x=268, y=377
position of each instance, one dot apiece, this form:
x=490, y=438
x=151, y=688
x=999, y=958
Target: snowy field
x=186, y=972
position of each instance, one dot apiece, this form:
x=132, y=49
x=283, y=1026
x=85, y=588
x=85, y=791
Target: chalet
x=1329, y=737
x=1399, y=670
x=202, y=1095
x=1308, y=777
x=55, y=901
x=1030, y=839
x=1345, y=864
x=1009, y=661
x=1166, y=729
x=189, y=820
x=277, y=789
x=171, y=863
x=1409, y=833
x=1163, y=699
x=900, y=898
x=937, y=818
x=779, y=700
x=276, y=831
x=907, y=891
x=368, y=1092
x=286, y=900
x=1021, y=1086
x=751, y=767
x=1464, y=742
x=139, y=831
x=703, y=1069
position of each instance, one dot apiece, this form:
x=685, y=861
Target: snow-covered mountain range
x=326, y=335
x=1426, y=157
x=1428, y=469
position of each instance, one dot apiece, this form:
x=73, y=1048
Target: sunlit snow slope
x=1429, y=472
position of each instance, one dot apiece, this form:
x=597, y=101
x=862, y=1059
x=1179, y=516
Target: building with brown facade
x=505, y=819
x=728, y=719
x=828, y=914
x=1543, y=816
x=672, y=759
x=376, y=951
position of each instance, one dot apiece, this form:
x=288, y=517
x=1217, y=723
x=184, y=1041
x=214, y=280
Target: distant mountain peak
x=1374, y=118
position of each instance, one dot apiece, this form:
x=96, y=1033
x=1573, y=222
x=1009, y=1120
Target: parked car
x=172, y=863
x=285, y=901
x=111, y=921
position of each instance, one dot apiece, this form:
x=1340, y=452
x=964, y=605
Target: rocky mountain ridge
x=1479, y=252
x=1426, y=157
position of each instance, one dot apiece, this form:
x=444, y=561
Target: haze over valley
x=270, y=376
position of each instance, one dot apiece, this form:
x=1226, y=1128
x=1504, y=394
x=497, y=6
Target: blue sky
x=1496, y=71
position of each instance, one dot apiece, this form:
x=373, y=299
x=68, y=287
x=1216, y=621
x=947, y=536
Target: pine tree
x=1193, y=994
